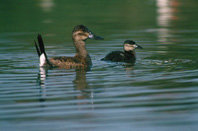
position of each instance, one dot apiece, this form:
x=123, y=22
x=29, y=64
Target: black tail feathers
x=40, y=48
x=40, y=45
x=37, y=48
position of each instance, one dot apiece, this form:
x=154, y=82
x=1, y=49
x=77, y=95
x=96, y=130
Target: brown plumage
x=81, y=59
x=71, y=62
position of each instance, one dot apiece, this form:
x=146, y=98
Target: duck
x=127, y=56
x=81, y=59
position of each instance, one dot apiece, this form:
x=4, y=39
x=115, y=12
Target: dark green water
x=159, y=93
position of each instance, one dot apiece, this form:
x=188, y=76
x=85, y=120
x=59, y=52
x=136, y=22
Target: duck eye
x=127, y=45
x=80, y=34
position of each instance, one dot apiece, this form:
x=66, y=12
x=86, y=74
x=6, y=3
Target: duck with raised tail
x=81, y=59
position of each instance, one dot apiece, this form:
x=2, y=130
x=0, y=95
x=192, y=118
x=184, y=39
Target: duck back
x=119, y=56
x=71, y=62
x=115, y=56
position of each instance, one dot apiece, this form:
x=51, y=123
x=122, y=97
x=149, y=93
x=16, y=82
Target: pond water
x=158, y=93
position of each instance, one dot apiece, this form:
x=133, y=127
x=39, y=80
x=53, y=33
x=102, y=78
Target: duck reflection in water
x=79, y=84
x=41, y=79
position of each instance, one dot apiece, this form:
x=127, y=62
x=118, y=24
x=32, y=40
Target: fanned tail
x=41, y=51
x=37, y=49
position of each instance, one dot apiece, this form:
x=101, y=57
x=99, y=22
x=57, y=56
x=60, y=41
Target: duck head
x=82, y=33
x=130, y=45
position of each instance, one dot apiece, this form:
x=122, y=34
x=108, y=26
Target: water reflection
x=47, y=5
x=160, y=92
x=129, y=68
x=166, y=10
x=41, y=80
x=79, y=83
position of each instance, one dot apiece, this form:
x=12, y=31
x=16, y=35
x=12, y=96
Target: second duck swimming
x=127, y=56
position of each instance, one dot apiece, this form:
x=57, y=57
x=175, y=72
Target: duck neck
x=130, y=53
x=81, y=50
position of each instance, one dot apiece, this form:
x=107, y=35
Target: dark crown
x=80, y=27
x=129, y=42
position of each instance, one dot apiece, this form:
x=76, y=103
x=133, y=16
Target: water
x=158, y=93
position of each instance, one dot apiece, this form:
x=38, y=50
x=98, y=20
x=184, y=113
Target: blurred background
x=158, y=93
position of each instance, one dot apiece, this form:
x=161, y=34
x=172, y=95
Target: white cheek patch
x=128, y=47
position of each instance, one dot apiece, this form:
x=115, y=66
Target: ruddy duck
x=82, y=59
x=127, y=56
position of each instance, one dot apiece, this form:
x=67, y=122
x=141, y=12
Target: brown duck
x=82, y=59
